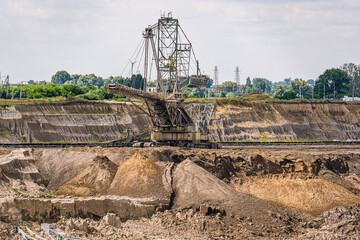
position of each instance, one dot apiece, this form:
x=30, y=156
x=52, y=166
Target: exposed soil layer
x=94, y=180
x=298, y=192
x=308, y=195
x=104, y=121
x=281, y=121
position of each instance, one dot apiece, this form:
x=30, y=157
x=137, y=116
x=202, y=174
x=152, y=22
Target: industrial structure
x=167, y=47
x=5, y=85
x=237, y=80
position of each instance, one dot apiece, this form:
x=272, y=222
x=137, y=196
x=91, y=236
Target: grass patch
x=17, y=191
x=247, y=101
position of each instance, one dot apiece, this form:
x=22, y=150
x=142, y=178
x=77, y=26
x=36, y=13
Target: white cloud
x=273, y=39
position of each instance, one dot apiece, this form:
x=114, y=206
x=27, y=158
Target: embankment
x=286, y=121
x=234, y=121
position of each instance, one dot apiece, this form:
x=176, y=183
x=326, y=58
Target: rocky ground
x=273, y=192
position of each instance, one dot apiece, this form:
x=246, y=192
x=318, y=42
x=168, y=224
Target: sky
x=273, y=39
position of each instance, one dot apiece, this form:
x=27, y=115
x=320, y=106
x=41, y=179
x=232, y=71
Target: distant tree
x=230, y=95
x=311, y=82
x=280, y=90
x=261, y=85
x=60, y=77
x=31, y=82
x=353, y=71
x=288, y=95
x=300, y=87
x=90, y=80
x=330, y=78
x=209, y=83
x=71, y=90
x=103, y=94
x=287, y=81
x=227, y=86
x=136, y=81
x=248, y=83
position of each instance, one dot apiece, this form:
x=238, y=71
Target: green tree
x=209, y=83
x=280, y=90
x=71, y=90
x=330, y=79
x=89, y=80
x=288, y=95
x=300, y=87
x=230, y=95
x=60, y=77
x=353, y=71
x=261, y=85
x=228, y=86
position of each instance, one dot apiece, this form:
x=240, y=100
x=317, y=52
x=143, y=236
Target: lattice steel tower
x=237, y=80
x=216, y=76
x=173, y=54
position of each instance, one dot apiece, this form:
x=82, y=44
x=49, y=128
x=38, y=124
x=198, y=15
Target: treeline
x=63, y=84
x=334, y=83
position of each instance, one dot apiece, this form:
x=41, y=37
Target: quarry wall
x=286, y=121
x=102, y=121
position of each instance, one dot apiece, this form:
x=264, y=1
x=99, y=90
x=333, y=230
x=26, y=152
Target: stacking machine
x=175, y=123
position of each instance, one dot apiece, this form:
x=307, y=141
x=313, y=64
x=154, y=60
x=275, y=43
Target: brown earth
x=250, y=193
x=308, y=195
x=94, y=180
x=138, y=177
x=105, y=121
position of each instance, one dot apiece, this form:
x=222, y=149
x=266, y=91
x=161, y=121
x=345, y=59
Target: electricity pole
x=21, y=88
x=237, y=80
x=313, y=92
x=324, y=91
x=334, y=91
x=353, y=92
x=216, y=79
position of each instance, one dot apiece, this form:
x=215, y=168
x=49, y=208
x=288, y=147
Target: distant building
x=349, y=99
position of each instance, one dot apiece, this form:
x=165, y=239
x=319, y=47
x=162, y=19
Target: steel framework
x=168, y=46
x=237, y=80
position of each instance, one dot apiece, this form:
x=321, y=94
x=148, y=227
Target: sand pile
x=18, y=170
x=138, y=177
x=311, y=196
x=60, y=165
x=93, y=180
x=194, y=186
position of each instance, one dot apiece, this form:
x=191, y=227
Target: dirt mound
x=138, y=177
x=337, y=223
x=60, y=166
x=18, y=171
x=194, y=186
x=311, y=196
x=93, y=180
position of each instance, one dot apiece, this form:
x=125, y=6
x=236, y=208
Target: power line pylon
x=216, y=81
x=6, y=86
x=237, y=80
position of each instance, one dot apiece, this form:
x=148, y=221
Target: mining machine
x=175, y=123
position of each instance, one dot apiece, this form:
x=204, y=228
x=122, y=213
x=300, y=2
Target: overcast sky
x=273, y=39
